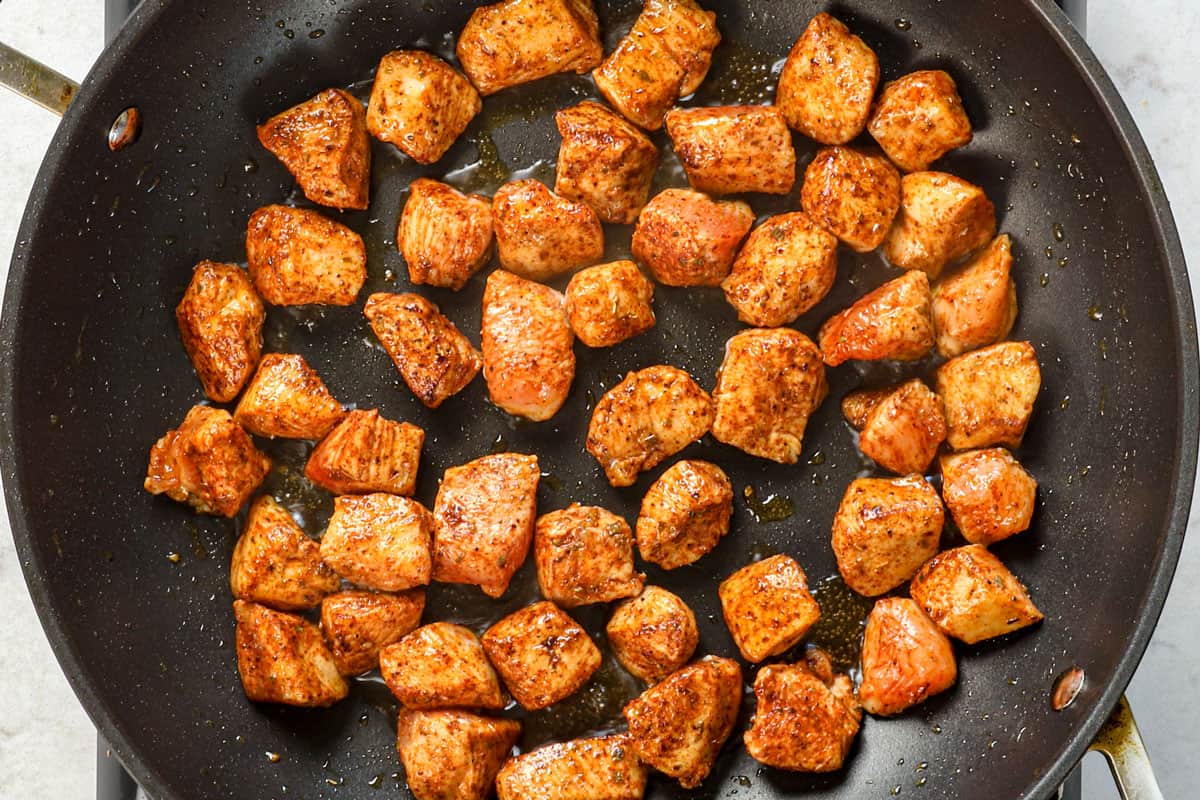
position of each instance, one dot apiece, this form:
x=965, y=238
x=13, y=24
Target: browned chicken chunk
x=609, y=303
x=358, y=624
x=892, y=322
x=852, y=194
x=919, y=118
x=653, y=634
x=989, y=494
x=379, y=541
x=803, y=722
x=540, y=235
x=988, y=395
x=689, y=33
x=734, y=149
x=604, y=162
x=601, y=768
x=282, y=658
x=584, y=554
x=287, y=398
x=298, y=257
x=276, y=564
x=941, y=219
x=768, y=607
x=444, y=235
x=441, y=665
x=453, y=755
x=220, y=319
x=420, y=104
x=905, y=658
x=367, y=453
x=542, y=654
x=684, y=514
x=686, y=238
x=903, y=427
x=977, y=305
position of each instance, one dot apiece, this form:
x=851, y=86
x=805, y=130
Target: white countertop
x=47, y=743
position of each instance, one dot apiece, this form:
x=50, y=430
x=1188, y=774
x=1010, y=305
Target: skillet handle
x=1121, y=744
x=35, y=81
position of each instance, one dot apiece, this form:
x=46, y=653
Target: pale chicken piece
x=600, y=768
x=518, y=41
x=653, y=634
x=584, y=555
x=828, y=82
x=420, y=104
x=734, y=149
x=542, y=654
x=440, y=665
x=540, y=235
x=903, y=427
x=769, y=384
x=977, y=305
x=609, y=303
x=379, y=541
x=941, y=219
x=287, y=398
x=686, y=238
x=646, y=418
x=435, y=359
x=884, y=530
x=604, y=161
x=483, y=521
x=972, y=596
x=209, y=462
x=444, y=235
x=918, y=118
x=988, y=395
x=767, y=607
x=892, y=322
x=359, y=624
x=298, y=257
x=688, y=31
x=283, y=659
x=220, y=320
x=989, y=494
x=787, y=266
x=804, y=722
x=852, y=194
x=684, y=514
x=528, y=355
x=453, y=755
x=679, y=725
x=366, y=453
x=905, y=658
x=276, y=564
x=323, y=142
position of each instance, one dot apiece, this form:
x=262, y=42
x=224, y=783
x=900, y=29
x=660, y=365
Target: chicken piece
x=903, y=428
x=323, y=143
x=518, y=41
x=988, y=395
x=852, y=194
x=803, y=723
x=688, y=239
x=440, y=665
x=769, y=384
x=684, y=514
x=884, y=530
x=828, y=82
x=604, y=162
x=528, y=355
x=786, y=267
x=298, y=257
x=287, y=398
x=971, y=596
x=366, y=453
x=453, y=755
x=359, y=624
x=688, y=32
x=600, y=768
x=282, y=659
x=542, y=655
x=678, y=726
x=584, y=554
x=276, y=564
x=420, y=104
x=905, y=658
x=221, y=319
x=435, y=359
x=989, y=494
x=444, y=235
x=483, y=521
x=918, y=118
x=609, y=303
x=645, y=419
x=734, y=149
x=977, y=305
x=209, y=462
x=379, y=541
x=767, y=607
x=892, y=322
x=941, y=219
x=653, y=634
x=540, y=235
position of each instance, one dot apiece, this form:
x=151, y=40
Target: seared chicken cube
x=977, y=305
x=209, y=462
x=444, y=235
x=684, y=514
x=972, y=596
x=918, y=118
x=687, y=31
x=941, y=219
x=892, y=322
x=989, y=494
x=434, y=357
x=902, y=429
x=367, y=453
x=542, y=654
x=286, y=397
x=600, y=768
x=518, y=41
x=884, y=530
x=988, y=395
x=441, y=665
x=298, y=257
x=584, y=554
x=646, y=418
x=905, y=658
x=358, y=624
x=828, y=82
x=528, y=355
x=686, y=238
x=734, y=149
x=769, y=384
x=653, y=634
x=483, y=521
x=786, y=267
x=323, y=143
x=768, y=607
x=453, y=755
x=679, y=725
x=604, y=162
x=379, y=541
x=282, y=658
x=803, y=722
x=420, y=104
x=276, y=564
x=540, y=235
x=852, y=194
x=609, y=303
x=220, y=319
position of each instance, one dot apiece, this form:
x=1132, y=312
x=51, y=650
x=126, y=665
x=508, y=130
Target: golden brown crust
x=686, y=238
x=298, y=257
x=453, y=755
x=802, y=723
x=220, y=319
x=600, y=768
x=420, y=104
x=891, y=322
x=287, y=398
x=440, y=665
x=584, y=554
x=977, y=305
x=542, y=654
x=275, y=563
x=684, y=514
x=734, y=149
x=941, y=219
x=540, y=235
x=989, y=494
x=604, y=161
x=767, y=607
x=358, y=624
x=918, y=118
x=367, y=453
x=444, y=235
x=903, y=427
x=852, y=194
x=379, y=541
x=609, y=303
x=905, y=658
x=988, y=395
x=653, y=634
x=283, y=659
